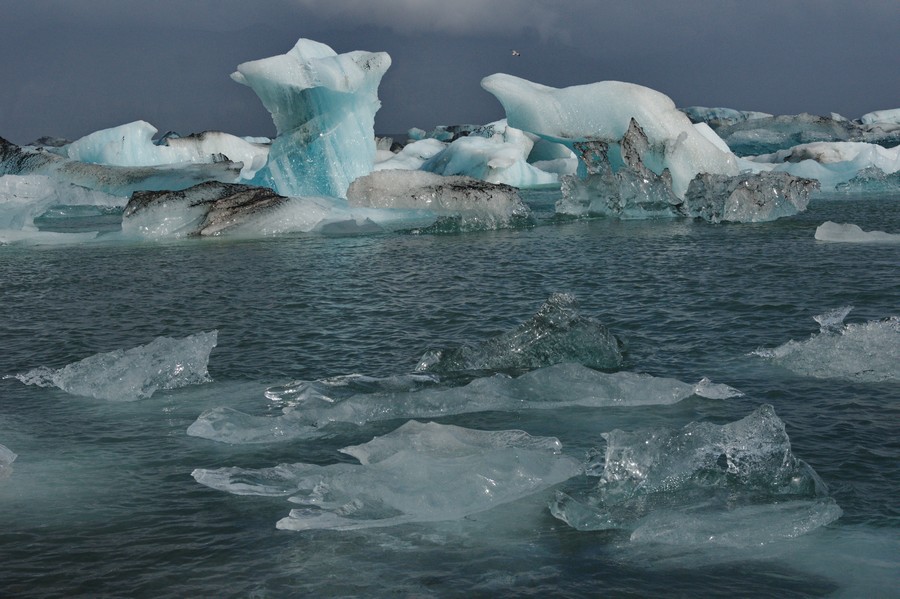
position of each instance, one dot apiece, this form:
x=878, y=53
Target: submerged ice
x=421, y=472
x=867, y=352
x=737, y=484
x=131, y=374
x=7, y=457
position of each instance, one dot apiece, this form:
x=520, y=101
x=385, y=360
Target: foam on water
x=131, y=374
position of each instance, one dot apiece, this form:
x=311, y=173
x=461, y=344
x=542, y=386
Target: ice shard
x=131, y=374
x=323, y=105
x=421, y=472
x=7, y=457
x=700, y=484
x=850, y=233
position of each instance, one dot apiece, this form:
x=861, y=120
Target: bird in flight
x=516, y=53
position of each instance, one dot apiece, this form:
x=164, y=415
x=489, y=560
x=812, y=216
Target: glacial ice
x=719, y=117
x=831, y=163
x=7, y=457
x=890, y=116
x=113, y=180
x=737, y=484
x=462, y=203
x=26, y=197
x=421, y=472
x=131, y=374
x=323, y=105
x=557, y=332
x=635, y=191
x=308, y=407
x=850, y=233
x=132, y=144
x=865, y=352
x=603, y=112
x=412, y=156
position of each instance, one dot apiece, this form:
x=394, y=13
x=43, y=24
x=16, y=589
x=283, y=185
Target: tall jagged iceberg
x=323, y=105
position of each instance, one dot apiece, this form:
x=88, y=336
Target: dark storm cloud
x=70, y=68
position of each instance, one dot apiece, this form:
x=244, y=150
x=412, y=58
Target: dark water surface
x=101, y=501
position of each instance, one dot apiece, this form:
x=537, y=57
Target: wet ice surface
x=131, y=374
x=737, y=484
x=417, y=473
x=867, y=351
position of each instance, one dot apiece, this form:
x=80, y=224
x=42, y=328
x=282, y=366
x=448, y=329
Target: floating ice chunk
x=770, y=134
x=500, y=157
x=132, y=145
x=871, y=179
x=412, y=156
x=868, y=352
x=557, y=332
x=850, y=233
x=323, y=105
x=661, y=483
x=635, y=191
x=719, y=117
x=7, y=457
x=418, y=473
x=881, y=116
x=212, y=209
x=464, y=203
x=24, y=198
x=114, y=180
x=131, y=374
x=832, y=163
x=310, y=406
x=603, y=112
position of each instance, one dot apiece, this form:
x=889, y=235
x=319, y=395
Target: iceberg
x=132, y=145
x=635, y=191
x=7, y=457
x=460, y=203
x=214, y=209
x=719, y=117
x=737, y=484
x=850, y=233
x=323, y=106
x=871, y=179
x=309, y=407
x=865, y=352
x=113, y=180
x=603, y=112
x=421, y=472
x=556, y=333
x=23, y=198
x=411, y=156
x=131, y=374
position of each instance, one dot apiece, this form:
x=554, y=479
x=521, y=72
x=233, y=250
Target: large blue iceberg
x=323, y=105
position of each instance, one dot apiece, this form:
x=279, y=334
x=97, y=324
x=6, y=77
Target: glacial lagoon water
x=100, y=500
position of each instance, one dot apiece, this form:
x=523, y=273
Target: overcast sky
x=70, y=67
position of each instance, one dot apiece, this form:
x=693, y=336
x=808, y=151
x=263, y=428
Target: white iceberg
x=418, y=473
x=412, y=156
x=131, y=374
x=132, y=145
x=890, y=116
x=850, y=233
x=323, y=105
x=603, y=112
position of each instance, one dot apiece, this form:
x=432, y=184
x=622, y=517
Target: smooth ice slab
x=323, y=105
x=700, y=484
x=132, y=374
x=868, y=351
x=421, y=472
x=557, y=332
x=310, y=406
x=850, y=233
